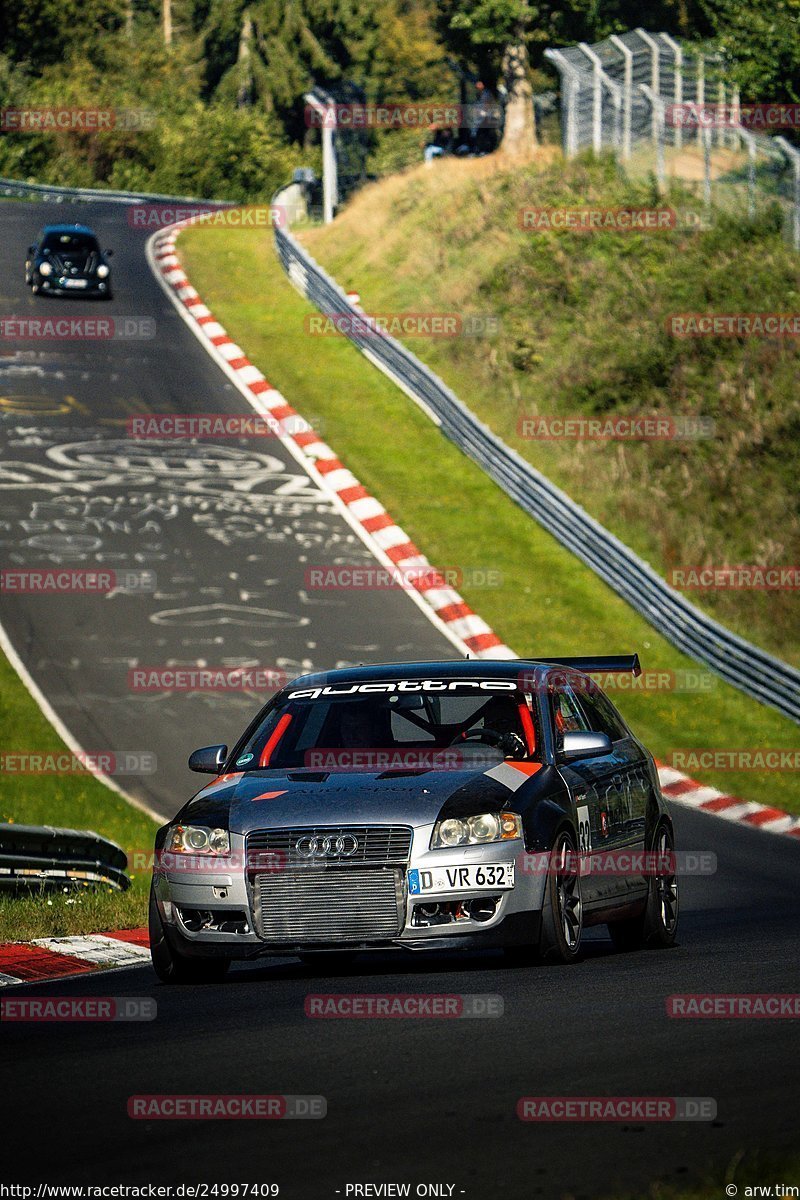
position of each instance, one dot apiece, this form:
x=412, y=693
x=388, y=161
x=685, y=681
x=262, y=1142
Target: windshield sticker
x=246, y=758
x=407, y=685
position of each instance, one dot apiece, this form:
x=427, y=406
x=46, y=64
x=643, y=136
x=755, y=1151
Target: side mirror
x=31, y=249
x=586, y=745
x=209, y=760
x=108, y=253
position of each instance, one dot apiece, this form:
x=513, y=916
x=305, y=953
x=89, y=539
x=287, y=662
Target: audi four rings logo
x=343, y=846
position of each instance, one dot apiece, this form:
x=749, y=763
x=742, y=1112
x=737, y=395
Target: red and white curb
x=680, y=789
x=385, y=538
x=51, y=958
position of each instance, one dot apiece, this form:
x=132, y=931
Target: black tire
x=172, y=967
x=562, y=912
x=657, y=925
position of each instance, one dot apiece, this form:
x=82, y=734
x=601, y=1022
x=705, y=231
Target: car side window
x=567, y=714
x=603, y=717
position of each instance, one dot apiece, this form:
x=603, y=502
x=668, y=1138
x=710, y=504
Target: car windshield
x=69, y=243
x=341, y=728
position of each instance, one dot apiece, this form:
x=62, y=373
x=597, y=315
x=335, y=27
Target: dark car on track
x=419, y=806
x=67, y=259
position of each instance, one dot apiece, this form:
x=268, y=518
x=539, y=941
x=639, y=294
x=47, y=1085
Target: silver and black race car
x=67, y=259
x=420, y=806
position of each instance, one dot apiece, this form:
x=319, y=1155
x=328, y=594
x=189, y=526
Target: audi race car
x=419, y=806
x=68, y=259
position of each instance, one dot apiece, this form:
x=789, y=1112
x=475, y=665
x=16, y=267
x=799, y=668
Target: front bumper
x=65, y=285
x=210, y=910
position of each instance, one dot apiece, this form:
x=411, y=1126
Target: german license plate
x=76, y=283
x=493, y=877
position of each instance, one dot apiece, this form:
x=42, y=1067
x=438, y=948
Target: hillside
x=583, y=333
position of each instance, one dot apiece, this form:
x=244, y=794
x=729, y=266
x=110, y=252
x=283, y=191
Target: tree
x=762, y=46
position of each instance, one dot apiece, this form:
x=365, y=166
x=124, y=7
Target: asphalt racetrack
x=229, y=531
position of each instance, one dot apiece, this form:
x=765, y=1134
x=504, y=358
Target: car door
x=623, y=809
x=598, y=785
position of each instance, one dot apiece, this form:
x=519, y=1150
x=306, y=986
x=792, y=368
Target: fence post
x=678, y=88
x=570, y=98
x=722, y=115
x=736, y=139
x=750, y=142
x=707, y=166
x=793, y=154
x=701, y=97
x=597, y=96
x=660, y=127
x=627, y=93
x=655, y=79
x=330, y=180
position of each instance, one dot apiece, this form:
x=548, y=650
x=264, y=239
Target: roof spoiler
x=621, y=664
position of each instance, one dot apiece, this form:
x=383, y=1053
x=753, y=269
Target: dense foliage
x=224, y=79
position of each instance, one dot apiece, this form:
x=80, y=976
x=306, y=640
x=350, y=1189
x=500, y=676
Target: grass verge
x=69, y=801
x=547, y=602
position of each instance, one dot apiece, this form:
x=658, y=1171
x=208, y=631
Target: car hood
x=251, y=800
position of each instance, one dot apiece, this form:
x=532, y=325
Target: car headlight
x=102, y=271
x=45, y=268
x=196, y=839
x=476, y=831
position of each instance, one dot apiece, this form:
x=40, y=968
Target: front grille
x=348, y=904
x=388, y=845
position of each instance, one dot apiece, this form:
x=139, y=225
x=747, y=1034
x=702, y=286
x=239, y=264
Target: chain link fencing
x=666, y=109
